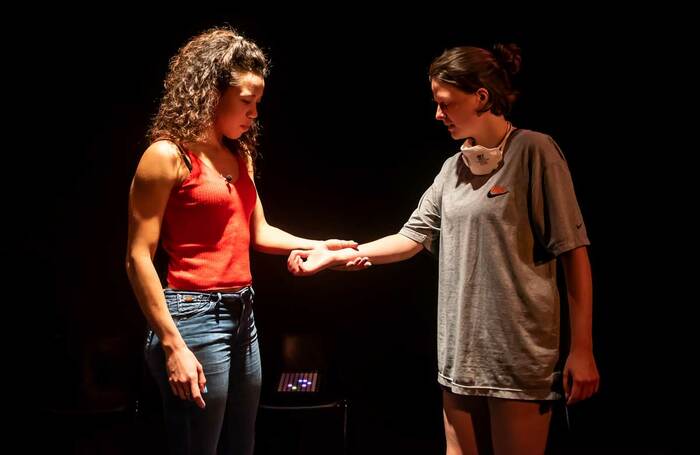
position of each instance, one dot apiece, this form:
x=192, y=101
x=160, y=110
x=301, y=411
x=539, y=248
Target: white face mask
x=483, y=160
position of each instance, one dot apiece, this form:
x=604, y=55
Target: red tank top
x=206, y=231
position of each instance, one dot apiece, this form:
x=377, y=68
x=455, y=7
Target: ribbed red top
x=206, y=230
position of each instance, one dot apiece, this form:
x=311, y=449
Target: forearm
x=393, y=248
x=149, y=294
x=271, y=240
x=577, y=271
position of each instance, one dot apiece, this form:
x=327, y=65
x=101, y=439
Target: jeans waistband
x=210, y=296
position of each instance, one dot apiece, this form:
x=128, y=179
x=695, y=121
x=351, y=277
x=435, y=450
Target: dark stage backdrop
x=349, y=145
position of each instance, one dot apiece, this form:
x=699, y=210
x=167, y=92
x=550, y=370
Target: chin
x=456, y=135
x=235, y=136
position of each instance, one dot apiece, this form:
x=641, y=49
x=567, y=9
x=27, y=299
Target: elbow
x=257, y=236
x=254, y=243
x=129, y=264
x=410, y=249
x=258, y=246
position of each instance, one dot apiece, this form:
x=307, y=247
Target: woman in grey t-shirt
x=498, y=215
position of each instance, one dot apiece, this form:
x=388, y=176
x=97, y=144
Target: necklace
x=509, y=127
x=227, y=177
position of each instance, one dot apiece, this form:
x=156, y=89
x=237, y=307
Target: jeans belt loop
x=218, y=305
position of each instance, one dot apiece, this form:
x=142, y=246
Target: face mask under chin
x=483, y=160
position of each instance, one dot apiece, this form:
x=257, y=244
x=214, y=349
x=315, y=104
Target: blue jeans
x=219, y=329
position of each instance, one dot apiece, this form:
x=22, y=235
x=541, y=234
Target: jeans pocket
x=187, y=311
x=183, y=306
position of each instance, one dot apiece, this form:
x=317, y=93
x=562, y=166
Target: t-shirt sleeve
x=555, y=212
x=424, y=224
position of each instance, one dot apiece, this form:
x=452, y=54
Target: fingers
x=335, y=244
x=575, y=394
x=195, y=394
x=582, y=389
x=189, y=388
x=566, y=378
x=176, y=390
x=180, y=388
x=296, y=259
x=359, y=263
x=306, y=268
x=202, y=380
x=362, y=262
x=587, y=388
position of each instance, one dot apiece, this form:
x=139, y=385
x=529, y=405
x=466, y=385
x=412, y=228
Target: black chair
x=302, y=409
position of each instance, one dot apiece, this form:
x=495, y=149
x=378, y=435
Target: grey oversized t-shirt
x=497, y=238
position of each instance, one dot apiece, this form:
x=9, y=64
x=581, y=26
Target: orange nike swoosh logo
x=496, y=190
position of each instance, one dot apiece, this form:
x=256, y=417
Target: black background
x=349, y=144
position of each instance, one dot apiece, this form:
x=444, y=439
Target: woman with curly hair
x=193, y=191
x=498, y=215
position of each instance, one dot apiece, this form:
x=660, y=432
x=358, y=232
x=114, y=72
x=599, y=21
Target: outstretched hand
x=335, y=244
x=310, y=262
x=359, y=263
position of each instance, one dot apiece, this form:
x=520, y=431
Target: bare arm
x=393, y=248
x=157, y=173
x=581, y=379
x=272, y=240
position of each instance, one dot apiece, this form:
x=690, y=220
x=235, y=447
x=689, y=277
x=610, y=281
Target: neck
x=493, y=130
x=213, y=139
x=210, y=143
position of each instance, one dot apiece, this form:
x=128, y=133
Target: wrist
x=312, y=245
x=345, y=255
x=581, y=348
x=172, y=345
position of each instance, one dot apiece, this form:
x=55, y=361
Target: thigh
x=190, y=429
x=519, y=426
x=466, y=420
x=244, y=384
x=208, y=334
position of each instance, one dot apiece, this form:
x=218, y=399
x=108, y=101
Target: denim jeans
x=219, y=329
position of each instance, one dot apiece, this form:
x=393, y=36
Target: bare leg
x=519, y=426
x=466, y=421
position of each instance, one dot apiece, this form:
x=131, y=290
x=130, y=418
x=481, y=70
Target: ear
x=484, y=96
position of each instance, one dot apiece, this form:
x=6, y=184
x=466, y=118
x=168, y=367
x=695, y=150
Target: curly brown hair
x=197, y=77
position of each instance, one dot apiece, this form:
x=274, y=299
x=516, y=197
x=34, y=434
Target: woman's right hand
x=186, y=375
x=309, y=262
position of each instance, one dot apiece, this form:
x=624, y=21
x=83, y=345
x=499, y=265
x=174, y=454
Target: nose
x=253, y=111
x=439, y=115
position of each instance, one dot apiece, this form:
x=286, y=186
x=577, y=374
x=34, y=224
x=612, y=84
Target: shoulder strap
x=184, y=156
x=181, y=149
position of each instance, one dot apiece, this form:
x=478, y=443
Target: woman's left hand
x=581, y=378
